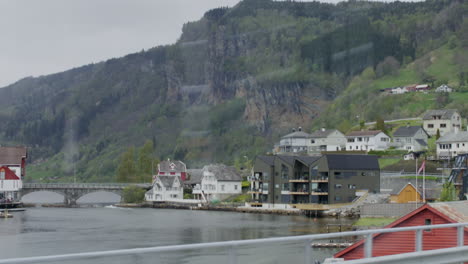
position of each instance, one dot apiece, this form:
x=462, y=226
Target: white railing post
x=233, y=255
x=307, y=251
x=419, y=240
x=368, y=246
x=460, y=236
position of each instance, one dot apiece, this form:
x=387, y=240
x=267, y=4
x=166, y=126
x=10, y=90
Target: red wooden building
x=404, y=242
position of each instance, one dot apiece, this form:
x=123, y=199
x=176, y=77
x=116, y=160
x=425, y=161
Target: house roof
x=195, y=176
x=397, y=184
x=352, y=162
x=461, y=136
x=445, y=113
x=223, y=172
x=406, y=185
x=12, y=155
x=363, y=133
x=172, y=166
x=407, y=131
x=452, y=212
x=288, y=159
x=421, y=142
x=297, y=134
x=270, y=160
x=308, y=160
x=322, y=133
x=167, y=181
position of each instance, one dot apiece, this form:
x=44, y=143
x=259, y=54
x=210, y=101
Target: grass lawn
x=384, y=162
x=374, y=221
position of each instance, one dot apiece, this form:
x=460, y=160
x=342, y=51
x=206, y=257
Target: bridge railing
x=446, y=255
x=79, y=185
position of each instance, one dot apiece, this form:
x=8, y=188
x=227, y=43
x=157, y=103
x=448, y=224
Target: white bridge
x=73, y=191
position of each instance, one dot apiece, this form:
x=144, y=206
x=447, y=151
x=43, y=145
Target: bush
x=133, y=194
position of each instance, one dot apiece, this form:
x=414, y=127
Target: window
x=443, y=125
x=2, y=175
x=338, y=186
x=222, y=187
x=351, y=186
x=312, y=141
x=285, y=186
x=430, y=125
x=337, y=198
x=427, y=221
x=277, y=186
x=235, y=187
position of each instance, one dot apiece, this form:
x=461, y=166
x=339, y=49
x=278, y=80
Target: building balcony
x=318, y=193
x=298, y=193
x=320, y=179
x=299, y=180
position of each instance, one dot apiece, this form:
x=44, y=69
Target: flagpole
x=416, y=182
x=424, y=181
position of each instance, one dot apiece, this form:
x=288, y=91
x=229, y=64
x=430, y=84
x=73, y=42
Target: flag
x=423, y=167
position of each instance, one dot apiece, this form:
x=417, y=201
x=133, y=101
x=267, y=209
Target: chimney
x=299, y=129
x=456, y=129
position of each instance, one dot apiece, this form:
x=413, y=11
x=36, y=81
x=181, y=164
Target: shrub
x=133, y=194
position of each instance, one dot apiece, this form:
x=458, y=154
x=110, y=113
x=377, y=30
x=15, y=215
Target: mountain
x=231, y=85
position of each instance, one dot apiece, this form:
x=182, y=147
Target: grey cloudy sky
x=47, y=36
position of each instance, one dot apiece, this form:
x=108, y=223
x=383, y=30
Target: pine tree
x=126, y=169
x=145, y=159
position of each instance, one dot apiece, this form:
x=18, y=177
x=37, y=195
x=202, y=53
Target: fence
x=448, y=255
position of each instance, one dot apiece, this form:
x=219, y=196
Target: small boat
x=5, y=215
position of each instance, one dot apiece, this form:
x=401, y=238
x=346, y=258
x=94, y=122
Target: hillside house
x=165, y=188
x=410, y=138
x=295, y=142
x=175, y=168
x=326, y=140
x=422, y=87
x=452, y=144
x=443, y=120
x=404, y=242
x=12, y=172
x=218, y=182
x=367, y=140
x=330, y=179
x=444, y=89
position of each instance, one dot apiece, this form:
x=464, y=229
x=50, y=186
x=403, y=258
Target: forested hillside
x=235, y=81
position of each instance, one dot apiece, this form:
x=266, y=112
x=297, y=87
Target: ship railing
x=456, y=254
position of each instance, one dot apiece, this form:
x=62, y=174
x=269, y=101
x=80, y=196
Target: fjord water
x=51, y=231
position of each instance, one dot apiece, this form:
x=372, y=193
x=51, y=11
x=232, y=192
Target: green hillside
x=235, y=81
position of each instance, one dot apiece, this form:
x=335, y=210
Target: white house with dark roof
x=446, y=120
x=165, y=188
x=218, y=182
x=410, y=138
x=452, y=144
x=326, y=140
x=367, y=140
x=295, y=142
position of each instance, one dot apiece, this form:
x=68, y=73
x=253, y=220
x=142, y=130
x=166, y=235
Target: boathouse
x=404, y=242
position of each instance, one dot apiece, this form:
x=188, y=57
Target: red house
x=172, y=168
x=404, y=242
x=15, y=159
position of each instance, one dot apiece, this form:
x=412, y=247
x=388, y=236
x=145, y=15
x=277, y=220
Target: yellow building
x=408, y=194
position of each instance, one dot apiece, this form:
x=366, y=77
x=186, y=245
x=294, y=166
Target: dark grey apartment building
x=329, y=179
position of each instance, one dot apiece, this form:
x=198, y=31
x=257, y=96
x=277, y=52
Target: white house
x=399, y=90
x=172, y=168
x=367, y=140
x=295, y=142
x=444, y=89
x=165, y=188
x=452, y=144
x=12, y=171
x=10, y=185
x=410, y=138
x=218, y=182
x=326, y=140
x=443, y=120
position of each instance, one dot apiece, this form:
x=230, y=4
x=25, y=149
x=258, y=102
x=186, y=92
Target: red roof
x=9, y=174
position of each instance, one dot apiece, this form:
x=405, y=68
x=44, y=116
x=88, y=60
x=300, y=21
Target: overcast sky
x=47, y=36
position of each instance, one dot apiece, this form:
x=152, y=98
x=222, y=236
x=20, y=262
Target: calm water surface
x=48, y=231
